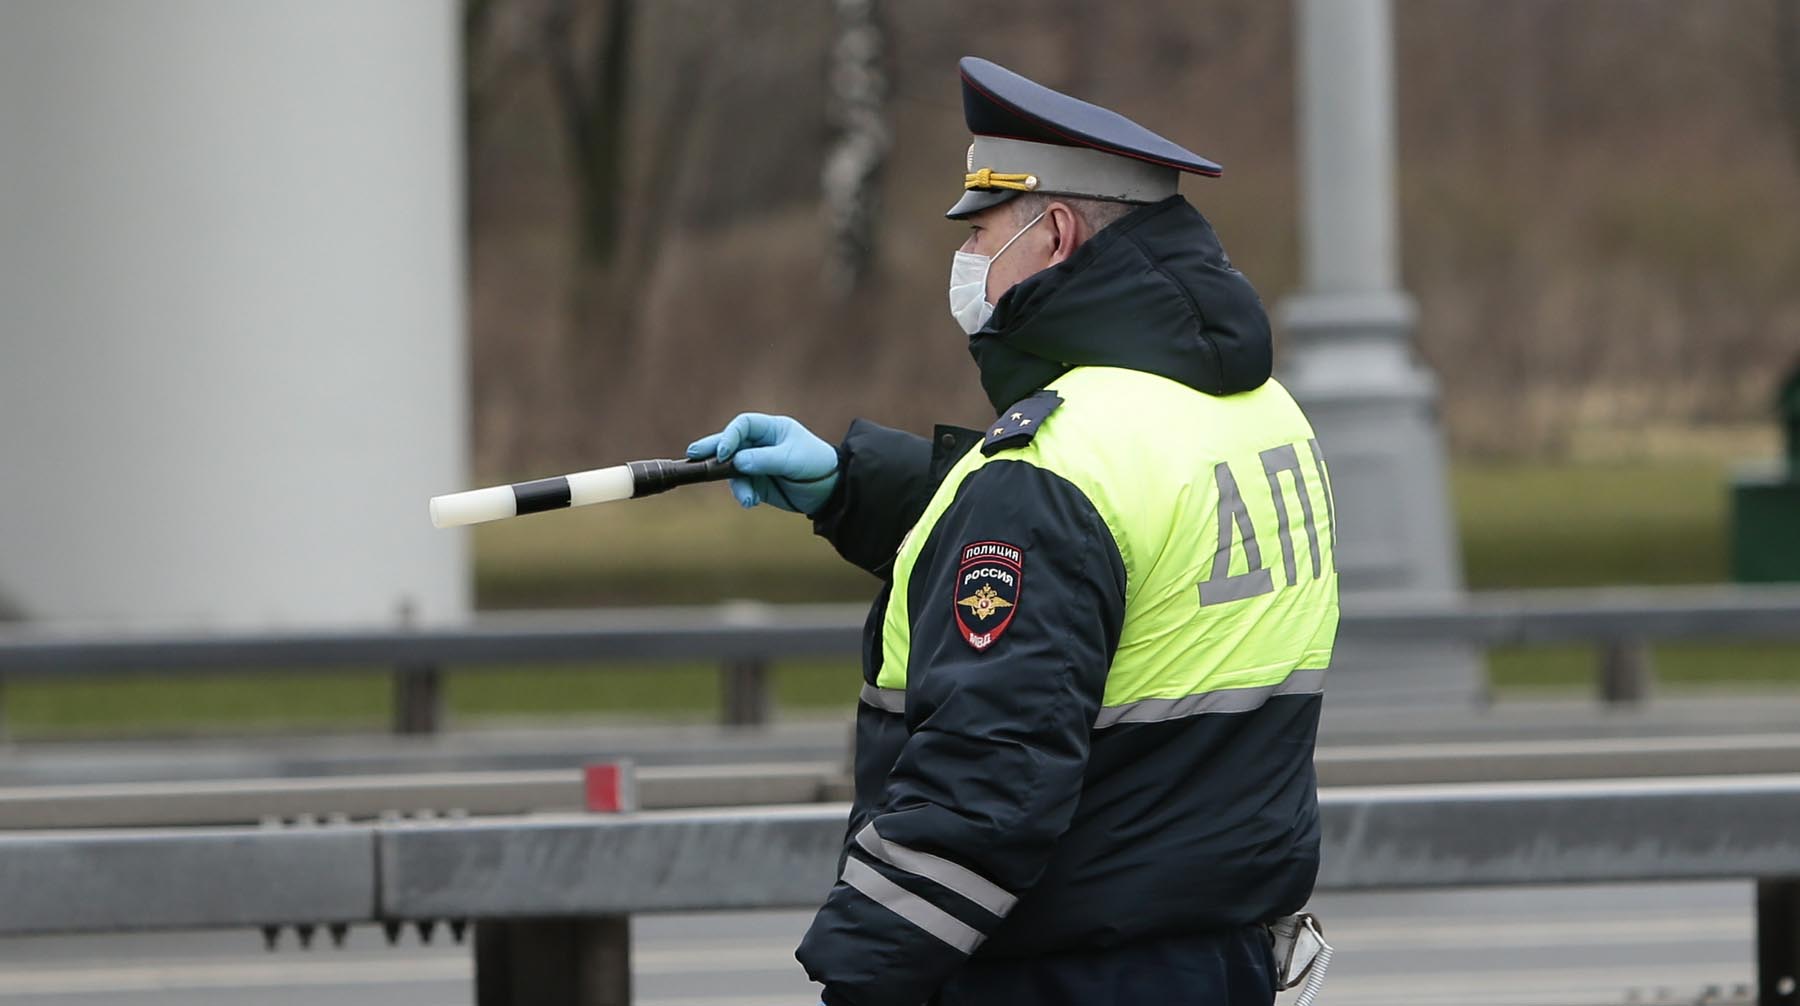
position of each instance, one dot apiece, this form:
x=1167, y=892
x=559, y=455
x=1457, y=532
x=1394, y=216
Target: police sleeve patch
x=1019, y=423
x=987, y=590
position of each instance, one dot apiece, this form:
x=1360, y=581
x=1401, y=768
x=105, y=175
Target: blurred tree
x=489, y=60
x=1787, y=64
x=589, y=59
x=1572, y=273
x=497, y=53
x=857, y=110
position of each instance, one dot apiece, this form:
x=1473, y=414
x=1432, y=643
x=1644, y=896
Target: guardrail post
x=418, y=699
x=1625, y=671
x=1778, y=942
x=744, y=692
x=553, y=962
x=418, y=687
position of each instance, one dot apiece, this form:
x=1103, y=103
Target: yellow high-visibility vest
x=1221, y=509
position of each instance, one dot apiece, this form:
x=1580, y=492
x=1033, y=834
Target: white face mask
x=968, y=284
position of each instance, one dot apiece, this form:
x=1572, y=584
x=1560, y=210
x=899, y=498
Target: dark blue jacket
x=1040, y=834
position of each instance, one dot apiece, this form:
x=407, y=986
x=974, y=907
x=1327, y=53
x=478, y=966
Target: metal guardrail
x=111, y=881
x=432, y=794
x=664, y=787
x=550, y=895
x=744, y=639
x=1545, y=760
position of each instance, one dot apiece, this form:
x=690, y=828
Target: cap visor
x=976, y=200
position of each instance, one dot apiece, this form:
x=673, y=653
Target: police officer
x=1092, y=681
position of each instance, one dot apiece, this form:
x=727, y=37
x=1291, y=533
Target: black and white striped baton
x=601, y=485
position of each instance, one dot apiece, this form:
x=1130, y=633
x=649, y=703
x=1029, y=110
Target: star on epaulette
x=1018, y=424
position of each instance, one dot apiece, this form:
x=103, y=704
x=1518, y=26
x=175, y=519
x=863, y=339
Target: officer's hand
x=783, y=463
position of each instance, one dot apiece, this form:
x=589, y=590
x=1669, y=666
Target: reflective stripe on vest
x=1221, y=509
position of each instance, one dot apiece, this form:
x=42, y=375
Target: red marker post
x=609, y=787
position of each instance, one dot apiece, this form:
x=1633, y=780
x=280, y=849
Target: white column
x=1350, y=358
x=231, y=296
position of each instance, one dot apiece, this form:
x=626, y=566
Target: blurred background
x=673, y=211
x=1596, y=214
x=274, y=272
x=1596, y=211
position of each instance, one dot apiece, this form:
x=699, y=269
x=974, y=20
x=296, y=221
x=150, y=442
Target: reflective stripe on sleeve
x=956, y=879
x=910, y=906
x=891, y=700
x=1225, y=700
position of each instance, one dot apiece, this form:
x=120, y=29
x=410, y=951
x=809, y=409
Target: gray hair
x=1096, y=213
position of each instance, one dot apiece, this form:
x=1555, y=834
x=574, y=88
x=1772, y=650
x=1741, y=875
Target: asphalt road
x=1531, y=947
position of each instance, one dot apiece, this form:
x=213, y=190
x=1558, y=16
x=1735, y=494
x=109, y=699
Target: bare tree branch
x=497, y=53
x=494, y=51
x=857, y=107
x=1787, y=67
x=664, y=177
x=594, y=106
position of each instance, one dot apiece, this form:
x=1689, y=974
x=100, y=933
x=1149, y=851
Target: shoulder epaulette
x=1019, y=423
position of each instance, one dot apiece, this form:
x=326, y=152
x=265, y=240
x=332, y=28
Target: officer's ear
x=1066, y=232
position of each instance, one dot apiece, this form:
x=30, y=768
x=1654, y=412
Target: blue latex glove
x=782, y=463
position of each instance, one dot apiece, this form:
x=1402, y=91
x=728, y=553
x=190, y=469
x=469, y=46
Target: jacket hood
x=1153, y=291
